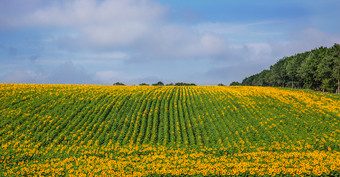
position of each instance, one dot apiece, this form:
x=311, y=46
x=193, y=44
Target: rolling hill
x=74, y=130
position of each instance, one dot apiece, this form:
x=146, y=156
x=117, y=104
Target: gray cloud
x=67, y=73
x=107, y=25
x=23, y=76
x=228, y=74
x=132, y=41
x=177, y=42
x=148, y=80
x=33, y=57
x=10, y=51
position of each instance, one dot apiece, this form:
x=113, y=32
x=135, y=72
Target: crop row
x=176, y=116
x=167, y=130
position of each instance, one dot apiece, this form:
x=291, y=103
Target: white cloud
x=259, y=51
x=82, y=13
x=136, y=25
x=173, y=41
x=102, y=35
x=93, y=23
x=228, y=28
x=133, y=25
x=243, y=32
x=109, y=24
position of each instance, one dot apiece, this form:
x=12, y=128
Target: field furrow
x=89, y=130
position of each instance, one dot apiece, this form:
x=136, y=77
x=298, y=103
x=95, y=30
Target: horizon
x=101, y=42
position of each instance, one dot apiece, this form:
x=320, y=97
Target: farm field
x=89, y=130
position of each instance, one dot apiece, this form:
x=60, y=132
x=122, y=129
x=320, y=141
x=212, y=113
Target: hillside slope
x=43, y=122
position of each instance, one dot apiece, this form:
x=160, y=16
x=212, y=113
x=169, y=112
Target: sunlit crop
x=87, y=130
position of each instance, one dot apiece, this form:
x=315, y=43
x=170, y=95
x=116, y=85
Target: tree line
x=318, y=69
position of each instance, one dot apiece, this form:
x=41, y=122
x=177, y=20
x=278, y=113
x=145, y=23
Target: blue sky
x=135, y=41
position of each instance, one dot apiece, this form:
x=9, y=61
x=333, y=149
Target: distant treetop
x=118, y=83
x=234, y=83
x=184, y=84
x=158, y=84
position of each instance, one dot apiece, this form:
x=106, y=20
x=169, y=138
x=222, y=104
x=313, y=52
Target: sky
x=146, y=41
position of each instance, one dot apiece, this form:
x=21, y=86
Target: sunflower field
x=93, y=130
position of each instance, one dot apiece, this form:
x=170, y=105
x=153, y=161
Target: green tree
x=291, y=68
x=318, y=69
x=278, y=74
x=324, y=73
x=118, y=83
x=307, y=71
x=336, y=68
x=232, y=84
x=184, y=84
x=159, y=83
